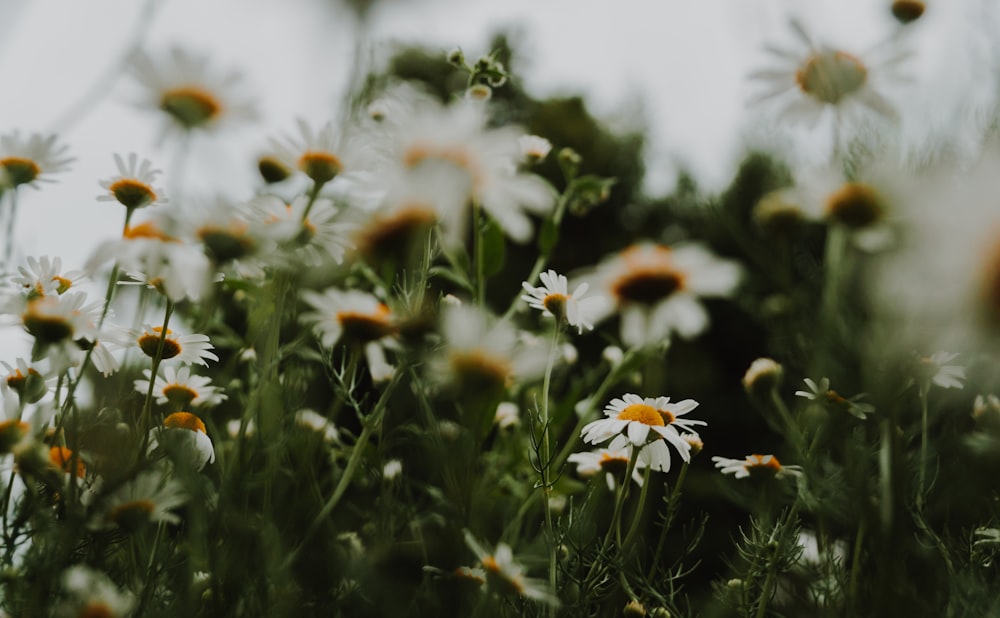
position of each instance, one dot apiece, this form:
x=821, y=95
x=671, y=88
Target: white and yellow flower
x=612, y=462
x=356, y=318
x=180, y=388
x=90, y=593
x=183, y=437
x=756, y=466
x=150, y=497
x=179, y=349
x=505, y=577
x=133, y=186
x=553, y=299
x=30, y=161
x=44, y=276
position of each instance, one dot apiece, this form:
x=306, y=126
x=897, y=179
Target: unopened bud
x=763, y=377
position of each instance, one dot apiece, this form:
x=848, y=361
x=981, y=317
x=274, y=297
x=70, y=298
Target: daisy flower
x=656, y=289
x=179, y=349
x=68, y=461
x=180, y=388
x=939, y=372
x=613, y=462
x=31, y=160
x=356, y=318
x=183, y=436
x=507, y=415
x=133, y=186
x=813, y=78
x=480, y=352
x=553, y=299
x=400, y=223
x=88, y=592
x=192, y=96
x=13, y=429
x=534, y=148
x=315, y=238
x=44, y=276
x=60, y=319
x=318, y=154
x=314, y=421
x=648, y=423
x=30, y=381
x=506, y=577
x=822, y=394
x=148, y=498
x=756, y=466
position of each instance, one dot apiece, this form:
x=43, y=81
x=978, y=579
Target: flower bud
x=762, y=378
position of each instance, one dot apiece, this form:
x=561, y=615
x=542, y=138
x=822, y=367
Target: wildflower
x=313, y=421
x=657, y=289
x=506, y=577
x=814, y=78
x=191, y=95
x=779, y=212
x=32, y=160
x=553, y=299
x=756, y=466
x=648, y=423
x=317, y=154
x=182, y=349
x=937, y=371
x=822, y=394
x=613, y=462
x=355, y=318
x=89, y=594
x=67, y=461
x=613, y=355
x=148, y=498
x=507, y=415
x=53, y=320
x=400, y=224
x=183, y=436
x=180, y=388
x=534, y=148
x=315, y=238
x=484, y=354
x=225, y=230
x=30, y=382
x=392, y=469
x=695, y=442
x=907, y=11
x=763, y=377
x=13, y=430
x=133, y=187
x=44, y=276
x=272, y=169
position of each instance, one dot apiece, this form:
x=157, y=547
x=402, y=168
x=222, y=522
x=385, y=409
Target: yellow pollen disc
x=648, y=284
x=190, y=106
x=456, y=156
x=64, y=284
x=180, y=393
x=668, y=416
x=829, y=76
x=226, y=243
x=555, y=304
x=613, y=463
x=835, y=398
x=46, y=328
x=131, y=193
x=759, y=466
x=149, y=342
x=856, y=205
x=394, y=234
x=131, y=510
x=11, y=433
x=184, y=420
x=272, y=170
x=20, y=170
x=320, y=166
x=366, y=327
x=146, y=229
x=96, y=609
x=640, y=412
x=62, y=458
x=476, y=364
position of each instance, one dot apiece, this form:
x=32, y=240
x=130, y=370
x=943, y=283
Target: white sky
x=681, y=66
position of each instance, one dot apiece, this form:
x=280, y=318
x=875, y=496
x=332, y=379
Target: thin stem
x=544, y=459
x=147, y=406
x=477, y=251
x=622, y=494
x=637, y=516
x=8, y=249
x=543, y=257
x=922, y=469
x=147, y=587
x=675, y=494
x=778, y=538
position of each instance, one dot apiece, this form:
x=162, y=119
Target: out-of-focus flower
x=936, y=370
x=392, y=469
x=505, y=577
x=181, y=389
x=133, y=186
x=822, y=394
x=763, y=376
x=756, y=466
x=811, y=78
x=181, y=349
x=182, y=86
x=314, y=421
x=656, y=289
x=184, y=438
x=907, y=11
x=613, y=462
x=44, y=276
x=314, y=238
x=148, y=498
x=507, y=415
x=318, y=154
x=67, y=460
x=355, y=318
x=534, y=148
x=29, y=381
x=553, y=299
x=89, y=593
x=31, y=160
x=646, y=423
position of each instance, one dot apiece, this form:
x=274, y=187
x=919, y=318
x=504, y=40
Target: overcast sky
x=679, y=66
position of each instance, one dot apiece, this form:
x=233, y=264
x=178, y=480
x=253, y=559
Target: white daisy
x=133, y=186
x=31, y=381
x=314, y=238
x=756, y=466
x=648, y=423
x=939, y=372
x=60, y=319
x=553, y=299
x=534, y=148
x=180, y=388
x=813, y=78
x=183, y=437
x=31, y=160
x=314, y=421
x=822, y=394
x=506, y=577
x=44, y=276
x=193, y=96
x=148, y=498
x=317, y=154
x=656, y=289
x=177, y=349
x=613, y=462
x=507, y=415
x=356, y=318
x=88, y=592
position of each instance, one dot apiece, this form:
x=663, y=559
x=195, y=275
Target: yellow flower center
x=11, y=432
x=855, y=205
x=759, y=467
x=180, y=394
x=46, y=328
x=272, y=170
x=556, y=304
x=478, y=368
x=147, y=229
x=500, y=581
x=131, y=193
x=649, y=276
x=132, y=514
x=184, y=420
x=190, y=106
x=393, y=236
x=20, y=170
x=62, y=458
x=149, y=342
x=321, y=166
x=907, y=10
x=96, y=609
x=366, y=327
x=226, y=243
x=829, y=76
x=640, y=412
x=455, y=156
x=64, y=284
x=615, y=464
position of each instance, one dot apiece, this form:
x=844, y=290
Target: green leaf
x=457, y=279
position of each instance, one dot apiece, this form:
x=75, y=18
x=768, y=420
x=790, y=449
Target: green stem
x=622, y=494
x=147, y=406
x=477, y=250
x=147, y=587
x=777, y=537
x=675, y=494
x=544, y=256
x=637, y=516
x=922, y=469
x=544, y=462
